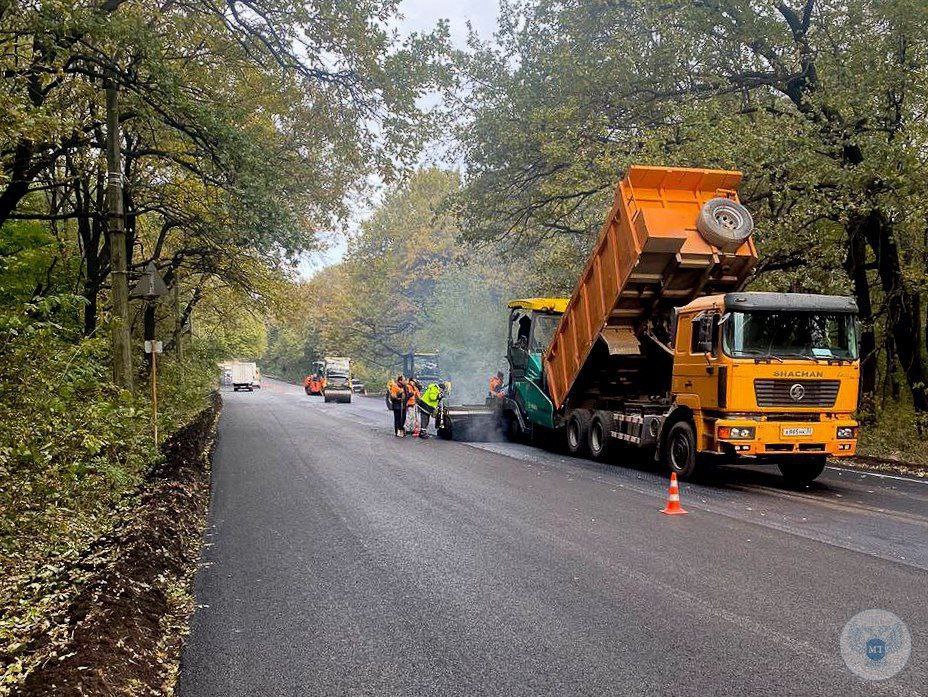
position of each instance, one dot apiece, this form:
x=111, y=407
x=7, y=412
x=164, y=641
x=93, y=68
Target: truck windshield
x=784, y=334
x=543, y=331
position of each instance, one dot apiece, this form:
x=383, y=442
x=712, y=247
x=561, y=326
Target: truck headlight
x=736, y=432
x=846, y=432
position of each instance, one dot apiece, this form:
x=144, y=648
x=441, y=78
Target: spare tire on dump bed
x=724, y=223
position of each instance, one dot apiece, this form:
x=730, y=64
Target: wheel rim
x=573, y=434
x=728, y=218
x=679, y=451
x=596, y=437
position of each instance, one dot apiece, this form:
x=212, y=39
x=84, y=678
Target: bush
x=894, y=435
x=70, y=444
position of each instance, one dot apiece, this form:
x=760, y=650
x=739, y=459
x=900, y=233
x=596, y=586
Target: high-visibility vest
x=430, y=396
x=413, y=395
x=496, y=384
x=396, y=391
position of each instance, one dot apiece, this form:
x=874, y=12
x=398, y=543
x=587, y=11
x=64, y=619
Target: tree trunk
x=90, y=234
x=903, y=306
x=91, y=293
x=856, y=267
x=19, y=180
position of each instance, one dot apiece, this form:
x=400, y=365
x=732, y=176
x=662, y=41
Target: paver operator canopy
x=671, y=236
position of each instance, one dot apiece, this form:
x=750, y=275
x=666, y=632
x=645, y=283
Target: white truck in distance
x=245, y=376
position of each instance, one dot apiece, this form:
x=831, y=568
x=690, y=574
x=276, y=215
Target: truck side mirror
x=703, y=340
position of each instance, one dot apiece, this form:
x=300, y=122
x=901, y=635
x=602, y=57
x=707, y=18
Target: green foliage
x=244, y=129
x=292, y=348
x=820, y=103
x=468, y=324
x=183, y=386
x=895, y=436
x=70, y=444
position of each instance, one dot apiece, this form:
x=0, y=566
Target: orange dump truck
x=659, y=347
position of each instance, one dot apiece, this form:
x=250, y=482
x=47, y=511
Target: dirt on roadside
x=884, y=465
x=121, y=634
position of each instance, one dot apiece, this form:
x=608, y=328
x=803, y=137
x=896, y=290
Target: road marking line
x=877, y=474
x=848, y=506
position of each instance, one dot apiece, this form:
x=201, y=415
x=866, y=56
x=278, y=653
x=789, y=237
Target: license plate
x=797, y=431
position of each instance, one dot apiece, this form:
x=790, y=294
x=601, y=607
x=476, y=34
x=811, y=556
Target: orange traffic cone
x=673, y=506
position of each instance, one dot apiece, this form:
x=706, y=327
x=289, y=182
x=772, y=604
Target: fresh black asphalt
x=340, y=560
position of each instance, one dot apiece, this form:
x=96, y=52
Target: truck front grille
x=796, y=393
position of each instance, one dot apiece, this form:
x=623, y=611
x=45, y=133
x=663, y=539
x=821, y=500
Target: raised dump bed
x=649, y=258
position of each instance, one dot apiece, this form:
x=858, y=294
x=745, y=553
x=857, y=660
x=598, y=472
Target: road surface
x=340, y=560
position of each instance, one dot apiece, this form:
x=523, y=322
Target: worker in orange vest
x=413, y=389
x=496, y=386
x=398, y=392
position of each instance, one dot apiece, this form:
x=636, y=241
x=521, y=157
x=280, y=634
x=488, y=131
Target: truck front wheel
x=802, y=470
x=578, y=428
x=680, y=449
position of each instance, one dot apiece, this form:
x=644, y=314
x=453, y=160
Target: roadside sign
x=156, y=345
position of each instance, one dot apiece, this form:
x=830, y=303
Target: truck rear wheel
x=680, y=449
x=599, y=438
x=578, y=428
x=802, y=470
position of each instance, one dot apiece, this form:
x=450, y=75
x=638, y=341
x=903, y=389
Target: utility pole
x=122, y=355
x=178, y=328
x=151, y=287
x=155, y=350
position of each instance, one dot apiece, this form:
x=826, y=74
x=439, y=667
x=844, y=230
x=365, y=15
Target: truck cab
x=423, y=367
x=750, y=378
x=767, y=376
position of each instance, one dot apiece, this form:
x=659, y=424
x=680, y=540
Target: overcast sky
x=422, y=15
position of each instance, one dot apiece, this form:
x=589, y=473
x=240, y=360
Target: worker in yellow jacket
x=427, y=403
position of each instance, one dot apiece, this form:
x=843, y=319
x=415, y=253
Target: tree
x=245, y=126
x=383, y=289
x=817, y=101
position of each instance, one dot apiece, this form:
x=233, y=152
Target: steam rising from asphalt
x=468, y=325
